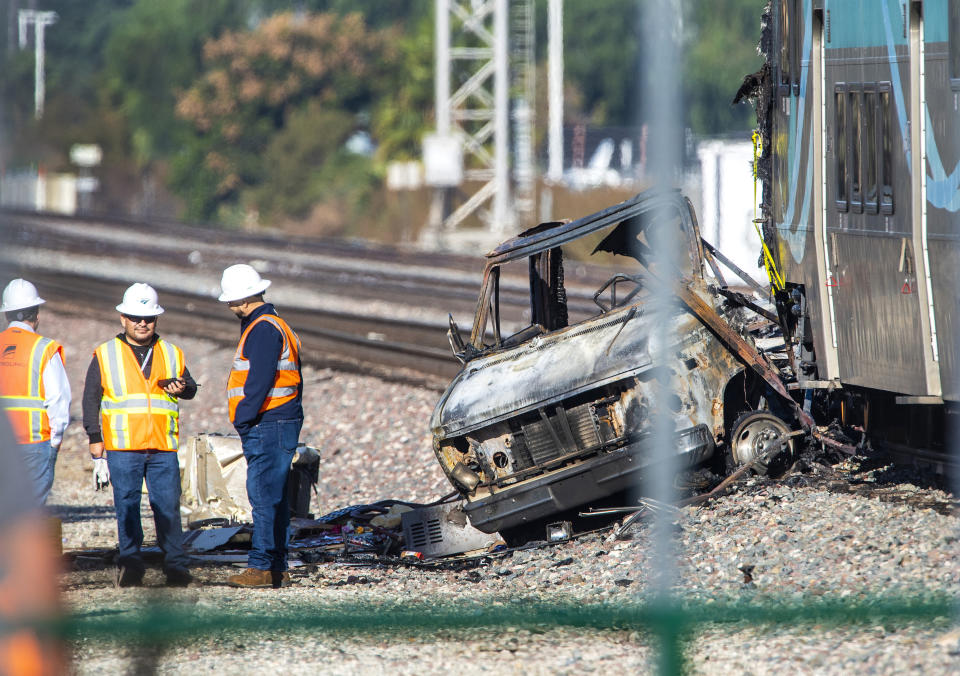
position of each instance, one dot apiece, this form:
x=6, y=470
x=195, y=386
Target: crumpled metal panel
x=213, y=477
x=443, y=530
x=544, y=369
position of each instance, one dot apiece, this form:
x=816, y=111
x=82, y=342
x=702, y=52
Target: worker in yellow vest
x=131, y=413
x=34, y=389
x=264, y=393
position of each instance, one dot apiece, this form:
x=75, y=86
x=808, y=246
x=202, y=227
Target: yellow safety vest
x=135, y=413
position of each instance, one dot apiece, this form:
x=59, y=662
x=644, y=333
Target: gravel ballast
x=800, y=542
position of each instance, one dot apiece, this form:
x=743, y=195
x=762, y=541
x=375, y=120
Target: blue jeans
x=39, y=459
x=128, y=469
x=269, y=448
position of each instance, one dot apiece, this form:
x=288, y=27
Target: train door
x=942, y=98
x=874, y=239
x=826, y=344
x=919, y=163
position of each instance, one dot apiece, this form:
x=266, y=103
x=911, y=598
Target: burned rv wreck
x=556, y=415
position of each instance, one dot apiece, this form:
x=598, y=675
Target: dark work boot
x=130, y=577
x=179, y=577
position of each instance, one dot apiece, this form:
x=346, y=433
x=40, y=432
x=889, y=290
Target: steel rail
x=412, y=352
x=445, y=282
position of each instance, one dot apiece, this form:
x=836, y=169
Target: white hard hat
x=241, y=281
x=19, y=295
x=140, y=300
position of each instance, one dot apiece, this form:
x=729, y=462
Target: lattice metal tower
x=474, y=88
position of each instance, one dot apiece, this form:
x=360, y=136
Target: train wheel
x=753, y=433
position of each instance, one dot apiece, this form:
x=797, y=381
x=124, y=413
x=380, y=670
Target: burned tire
x=752, y=434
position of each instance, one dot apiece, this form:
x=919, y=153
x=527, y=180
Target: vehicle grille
x=540, y=437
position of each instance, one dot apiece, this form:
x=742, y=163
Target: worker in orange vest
x=264, y=393
x=131, y=413
x=34, y=389
x=29, y=569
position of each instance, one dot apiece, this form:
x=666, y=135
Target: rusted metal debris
x=820, y=434
x=745, y=351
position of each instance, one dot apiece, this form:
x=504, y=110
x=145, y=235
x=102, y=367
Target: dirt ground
x=560, y=609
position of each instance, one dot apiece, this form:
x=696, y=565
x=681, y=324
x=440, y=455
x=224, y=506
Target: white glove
x=101, y=474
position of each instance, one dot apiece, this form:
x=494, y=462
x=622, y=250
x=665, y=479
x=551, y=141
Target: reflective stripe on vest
x=286, y=381
x=23, y=357
x=135, y=413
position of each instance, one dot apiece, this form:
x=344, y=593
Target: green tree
x=305, y=164
x=255, y=81
x=155, y=53
x=404, y=107
x=73, y=60
x=601, y=52
x=721, y=48
x=75, y=44
x=376, y=13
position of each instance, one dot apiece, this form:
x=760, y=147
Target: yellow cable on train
x=776, y=280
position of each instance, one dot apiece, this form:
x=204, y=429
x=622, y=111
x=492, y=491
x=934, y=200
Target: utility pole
x=485, y=85
x=503, y=214
x=40, y=21
x=554, y=107
x=523, y=72
x=555, y=90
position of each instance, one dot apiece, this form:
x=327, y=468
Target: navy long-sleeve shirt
x=262, y=348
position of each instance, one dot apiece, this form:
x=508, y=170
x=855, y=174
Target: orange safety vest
x=135, y=413
x=286, y=380
x=23, y=357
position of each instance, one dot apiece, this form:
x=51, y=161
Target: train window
x=785, y=42
x=863, y=147
x=871, y=141
x=840, y=146
x=953, y=29
x=886, y=148
x=789, y=46
x=856, y=146
x=796, y=33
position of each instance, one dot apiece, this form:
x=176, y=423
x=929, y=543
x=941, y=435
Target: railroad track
x=408, y=350
x=411, y=352
x=389, y=317
x=443, y=282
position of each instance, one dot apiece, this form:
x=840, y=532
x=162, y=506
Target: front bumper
x=575, y=485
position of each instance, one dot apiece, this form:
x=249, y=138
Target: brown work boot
x=254, y=577
x=251, y=577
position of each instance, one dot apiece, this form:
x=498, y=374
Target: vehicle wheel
x=752, y=434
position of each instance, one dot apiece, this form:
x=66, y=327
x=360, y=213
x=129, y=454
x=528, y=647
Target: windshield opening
x=597, y=273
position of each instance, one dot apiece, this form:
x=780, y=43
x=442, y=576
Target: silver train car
x=858, y=105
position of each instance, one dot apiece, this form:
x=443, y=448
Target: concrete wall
x=726, y=209
x=40, y=191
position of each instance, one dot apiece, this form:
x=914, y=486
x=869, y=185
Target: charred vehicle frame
x=555, y=415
